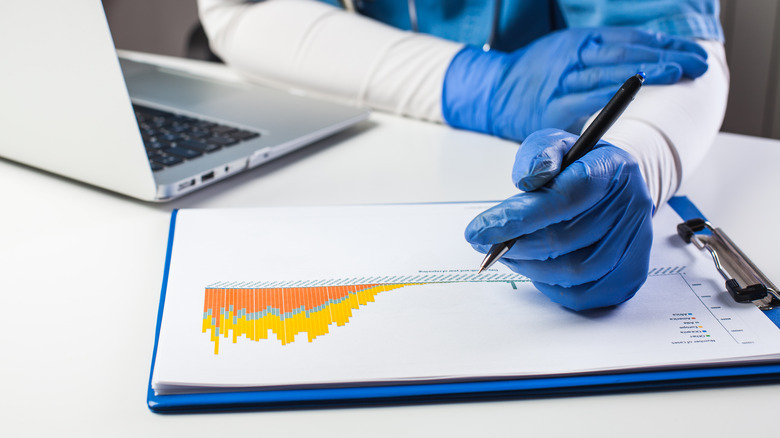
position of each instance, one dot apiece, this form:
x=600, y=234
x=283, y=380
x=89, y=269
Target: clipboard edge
x=308, y=398
x=151, y=398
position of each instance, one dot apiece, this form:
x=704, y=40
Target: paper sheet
x=341, y=295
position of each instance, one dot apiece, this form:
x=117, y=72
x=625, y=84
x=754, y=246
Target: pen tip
x=481, y=268
x=642, y=76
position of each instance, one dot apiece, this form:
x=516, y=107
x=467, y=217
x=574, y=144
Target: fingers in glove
x=594, y=78
x=586, y=264
x=592, y=55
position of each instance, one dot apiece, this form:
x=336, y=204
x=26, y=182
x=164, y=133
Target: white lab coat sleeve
x=313, y=48
x=669, y=129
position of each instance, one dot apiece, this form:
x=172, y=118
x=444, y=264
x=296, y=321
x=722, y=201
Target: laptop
x=70, y=106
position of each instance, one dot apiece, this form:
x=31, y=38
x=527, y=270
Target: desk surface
x=82, y=268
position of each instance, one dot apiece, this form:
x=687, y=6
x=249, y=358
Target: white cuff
x=669, y=129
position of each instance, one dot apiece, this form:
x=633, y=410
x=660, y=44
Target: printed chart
x=306, y=297
x=281, y=310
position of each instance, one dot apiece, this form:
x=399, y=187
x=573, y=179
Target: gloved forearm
x=322, y=50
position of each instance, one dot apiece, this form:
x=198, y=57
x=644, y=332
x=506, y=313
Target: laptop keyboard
x=170, y=138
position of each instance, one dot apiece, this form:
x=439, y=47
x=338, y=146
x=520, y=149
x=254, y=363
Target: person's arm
x=323, y=50
x=584, y=233
x=557, y=81
x=669, y=129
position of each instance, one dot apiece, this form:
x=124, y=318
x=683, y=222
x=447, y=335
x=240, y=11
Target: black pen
x=587, y=141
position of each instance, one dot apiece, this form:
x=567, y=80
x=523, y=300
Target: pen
x=587, y=141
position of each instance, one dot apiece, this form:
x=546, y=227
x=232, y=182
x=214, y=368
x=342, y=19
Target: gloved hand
x=584, y=233
x=559, y=80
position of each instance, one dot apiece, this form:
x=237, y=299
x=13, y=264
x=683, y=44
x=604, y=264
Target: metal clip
x=732, y=264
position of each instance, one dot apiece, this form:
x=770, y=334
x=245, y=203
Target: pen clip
x=732, y=264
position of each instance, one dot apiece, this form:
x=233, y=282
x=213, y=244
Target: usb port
x=207, y=176
x=185, y=184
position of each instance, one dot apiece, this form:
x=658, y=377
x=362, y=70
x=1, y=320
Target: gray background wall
x=155, y=26
x=753, y=54
x=752, y=50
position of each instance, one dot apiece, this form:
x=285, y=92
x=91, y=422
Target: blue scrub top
x=522, y=21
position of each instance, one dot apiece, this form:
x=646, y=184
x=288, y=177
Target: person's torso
x=515, y=23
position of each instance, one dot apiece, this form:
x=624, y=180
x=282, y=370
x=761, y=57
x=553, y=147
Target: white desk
x=81, y=270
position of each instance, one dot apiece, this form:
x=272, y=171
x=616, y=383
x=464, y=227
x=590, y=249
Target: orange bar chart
x=283, y=310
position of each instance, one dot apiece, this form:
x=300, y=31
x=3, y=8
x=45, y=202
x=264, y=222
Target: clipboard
x=743, y=279
x=367, y=395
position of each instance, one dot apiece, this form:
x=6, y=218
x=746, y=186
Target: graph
x=283, y=309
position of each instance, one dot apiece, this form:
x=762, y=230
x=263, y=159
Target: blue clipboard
x=689, y=377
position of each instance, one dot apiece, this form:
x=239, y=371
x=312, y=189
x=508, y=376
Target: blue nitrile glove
x=584, y=233
x=560, y=80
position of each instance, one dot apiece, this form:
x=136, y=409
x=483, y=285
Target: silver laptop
x=69, y=106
